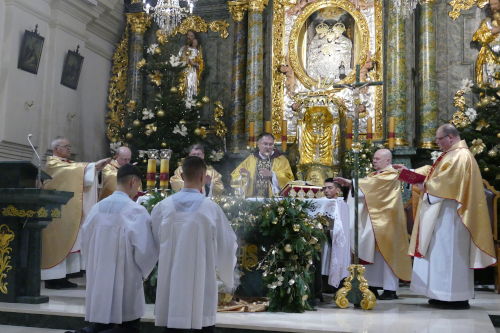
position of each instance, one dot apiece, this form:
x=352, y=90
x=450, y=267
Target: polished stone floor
x=410, y=313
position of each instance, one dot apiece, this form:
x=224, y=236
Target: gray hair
x=449, y=129
x=57, y=141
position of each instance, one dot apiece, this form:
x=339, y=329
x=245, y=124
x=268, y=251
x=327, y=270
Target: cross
x=354, y=294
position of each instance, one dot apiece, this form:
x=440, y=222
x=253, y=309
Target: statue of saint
x=488, y=36
x=191, y=55
x=329, y=53
x=317, y=136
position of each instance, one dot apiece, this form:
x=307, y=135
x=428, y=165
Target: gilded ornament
x=136, y=123
x=205, y=99
x=201, y=131
x=220, y=126
x=492, y=153
x=237, y=9
x=257, y=5
x=141, y=63
x=138, y=22
x=173, y=90
x=155, y=77
x=477, y=147
x=486, y=169
x=164, y=145
x=459, y=5
x=160, y=113
x=161, y=36
x=198, y=104
x=129, y=136
x=482, y=124
x=460, y=120
x=131, y=105
x=115, y=119
x=498, y=135
x=6, y=236
x=197, y=24
x=296, y=227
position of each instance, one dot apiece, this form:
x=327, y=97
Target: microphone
x=39, y=174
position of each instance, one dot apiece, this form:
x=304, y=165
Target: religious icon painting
x=30, y=51
x=71, y=69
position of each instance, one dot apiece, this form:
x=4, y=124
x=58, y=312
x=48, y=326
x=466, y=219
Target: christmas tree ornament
x=160, y=113
x=164, y=145
x=173, y=89
x=486, y=169
x=136, y=123
x=129, y=136
x=198, y=104
x=288, y=248
x=205, y=99
x=492, y=153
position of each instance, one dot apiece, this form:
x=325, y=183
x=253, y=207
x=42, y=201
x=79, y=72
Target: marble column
x=238, y=138
x=427, y=84
x=138, y=23
x=396, y=77
x=254, y=108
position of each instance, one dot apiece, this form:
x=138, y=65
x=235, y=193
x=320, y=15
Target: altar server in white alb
x=336, y=254
x=197, y=245
x=452, y=231
x=382, y=233
x=119, y=252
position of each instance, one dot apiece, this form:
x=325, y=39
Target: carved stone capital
x=257, y=5
x=139, y=22
x=237, y=9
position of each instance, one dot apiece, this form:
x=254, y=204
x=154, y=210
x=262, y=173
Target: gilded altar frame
x=284, y=52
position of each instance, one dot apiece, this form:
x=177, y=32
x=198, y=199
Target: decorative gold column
x=427, y=84
x=238, y=139
x=138, y=22
x=254, y=108
x=395, y=80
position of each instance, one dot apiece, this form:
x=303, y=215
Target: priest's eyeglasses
x=65, y=146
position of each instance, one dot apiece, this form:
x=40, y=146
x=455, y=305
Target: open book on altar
x=301, y=189
x=411, y=177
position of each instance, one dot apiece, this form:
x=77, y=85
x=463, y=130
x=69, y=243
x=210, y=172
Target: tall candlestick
x=348, y=134
x=369, y=130
x=251, y=134
x=391, y=135
x=151, y=174
x=164, y=168
x=284, y=134
x=268, y=127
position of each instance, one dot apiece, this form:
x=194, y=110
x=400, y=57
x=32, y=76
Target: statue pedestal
x=24, y=212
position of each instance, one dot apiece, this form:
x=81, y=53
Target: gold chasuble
x=382, y=191
x=279, y=165
x=455, y=176
x=109, y=179
x=217, y=186
x=60, y=235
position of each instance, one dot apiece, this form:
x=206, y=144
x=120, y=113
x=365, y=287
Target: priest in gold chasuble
x=267, y=170
x=452, y=232
x=383, y=238
x=60, y=242
x=123, y=156
x=213, y=180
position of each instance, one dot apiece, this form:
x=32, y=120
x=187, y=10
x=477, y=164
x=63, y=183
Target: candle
x=251, y=134
x=348, y=134
x=268, y=127
x=284, y=134
x=164, y=173
x=369, y=130
x=391, y=135
x=151, y=174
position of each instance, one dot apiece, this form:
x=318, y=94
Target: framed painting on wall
x=31, y=51
x=71, y=69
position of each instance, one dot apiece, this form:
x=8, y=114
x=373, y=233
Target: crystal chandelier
x=168, y=14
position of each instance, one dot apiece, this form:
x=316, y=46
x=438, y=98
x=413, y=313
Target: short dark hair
x=127, y=171
x=330, y=180
x=192, y=166
x=264, y=134
x=197, y=146
x=449, y=129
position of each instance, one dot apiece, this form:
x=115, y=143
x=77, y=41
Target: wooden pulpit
x=24, y=211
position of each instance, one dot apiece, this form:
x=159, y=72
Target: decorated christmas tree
x=480, y=127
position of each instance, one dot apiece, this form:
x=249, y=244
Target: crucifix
x=355, y=287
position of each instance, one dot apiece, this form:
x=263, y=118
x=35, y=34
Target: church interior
x=333, y=86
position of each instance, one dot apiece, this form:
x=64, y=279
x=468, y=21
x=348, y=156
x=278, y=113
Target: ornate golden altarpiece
x=293, y=85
